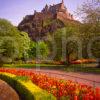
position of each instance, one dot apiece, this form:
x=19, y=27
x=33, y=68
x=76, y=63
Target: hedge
x=25, y=88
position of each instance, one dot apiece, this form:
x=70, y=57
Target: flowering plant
x=59, y=88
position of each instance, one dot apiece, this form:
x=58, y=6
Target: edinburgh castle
x=58, y=11
x=48, y=20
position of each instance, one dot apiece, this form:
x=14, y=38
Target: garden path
x=86, y=78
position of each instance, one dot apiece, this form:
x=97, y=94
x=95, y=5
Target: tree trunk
x=1, y=64
x=68, y=59
x=98, y=63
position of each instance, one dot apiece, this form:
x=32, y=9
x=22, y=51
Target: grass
x=86, y=68
x=48, y=66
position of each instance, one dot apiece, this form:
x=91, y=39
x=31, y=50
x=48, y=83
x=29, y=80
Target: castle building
x=41, y=23
x=59, y=11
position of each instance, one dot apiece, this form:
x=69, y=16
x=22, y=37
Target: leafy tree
x=95, y=48
x=42, y=50
x=38, y=50
x=90, y=13
x=60, y=39
x=32, y=50
x=24, y=46
x=13, y=43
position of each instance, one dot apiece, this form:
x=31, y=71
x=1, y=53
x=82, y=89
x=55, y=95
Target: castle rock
x=48, y=20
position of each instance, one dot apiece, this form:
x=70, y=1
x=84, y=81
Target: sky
x=15, y=10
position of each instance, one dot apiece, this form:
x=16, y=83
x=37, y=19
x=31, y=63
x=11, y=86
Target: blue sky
x=15, y=10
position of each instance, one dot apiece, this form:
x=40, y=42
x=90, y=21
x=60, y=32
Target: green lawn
x=49, y=66
x=87, y=68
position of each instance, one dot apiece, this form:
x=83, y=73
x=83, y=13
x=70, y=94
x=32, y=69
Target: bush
x=25, y=88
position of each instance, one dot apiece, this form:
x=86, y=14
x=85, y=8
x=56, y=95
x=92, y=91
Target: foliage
x=24, y=45
x=96, y=48
x=38, y=50
x=89, y=12
x=26, y=89
x=90, y=27
x=59, y=38
x=43, y=50
x=13, y=43
x=32, y=50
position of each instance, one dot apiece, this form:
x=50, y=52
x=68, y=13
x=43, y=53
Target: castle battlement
x=59, y=10
x=41, y=23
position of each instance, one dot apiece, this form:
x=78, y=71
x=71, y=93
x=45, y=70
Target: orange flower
x=59, y=88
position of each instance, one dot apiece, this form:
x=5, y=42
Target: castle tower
x=62, y=2
x=45, y=9
x=62, y=5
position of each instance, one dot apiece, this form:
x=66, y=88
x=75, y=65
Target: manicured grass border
x=25, y=88
x=82, y=68
x=50, y=66
x=85, y=68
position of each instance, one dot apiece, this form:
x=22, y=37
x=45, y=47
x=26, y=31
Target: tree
x=13, y=43
x=71, y=47
x=7, y=49
x=32, y=50
x=90, y=14
x=95, y=48
x=38, y=50
x=24, y=46
x=42, y=50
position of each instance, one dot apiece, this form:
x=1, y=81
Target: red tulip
x=75, y=97
x=58, y=87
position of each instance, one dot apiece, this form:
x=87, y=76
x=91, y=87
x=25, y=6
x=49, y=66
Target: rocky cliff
x=47, y=21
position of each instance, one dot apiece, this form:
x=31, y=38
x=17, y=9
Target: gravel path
x=86, y=78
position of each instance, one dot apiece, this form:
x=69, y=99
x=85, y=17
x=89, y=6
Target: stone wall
x=6, y=92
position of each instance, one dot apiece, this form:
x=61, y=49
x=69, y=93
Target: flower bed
x=25, y=88
x=83, y=61
x=63, y=90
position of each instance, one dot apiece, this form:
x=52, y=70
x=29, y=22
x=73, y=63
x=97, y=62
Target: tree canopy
x=13, y=43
